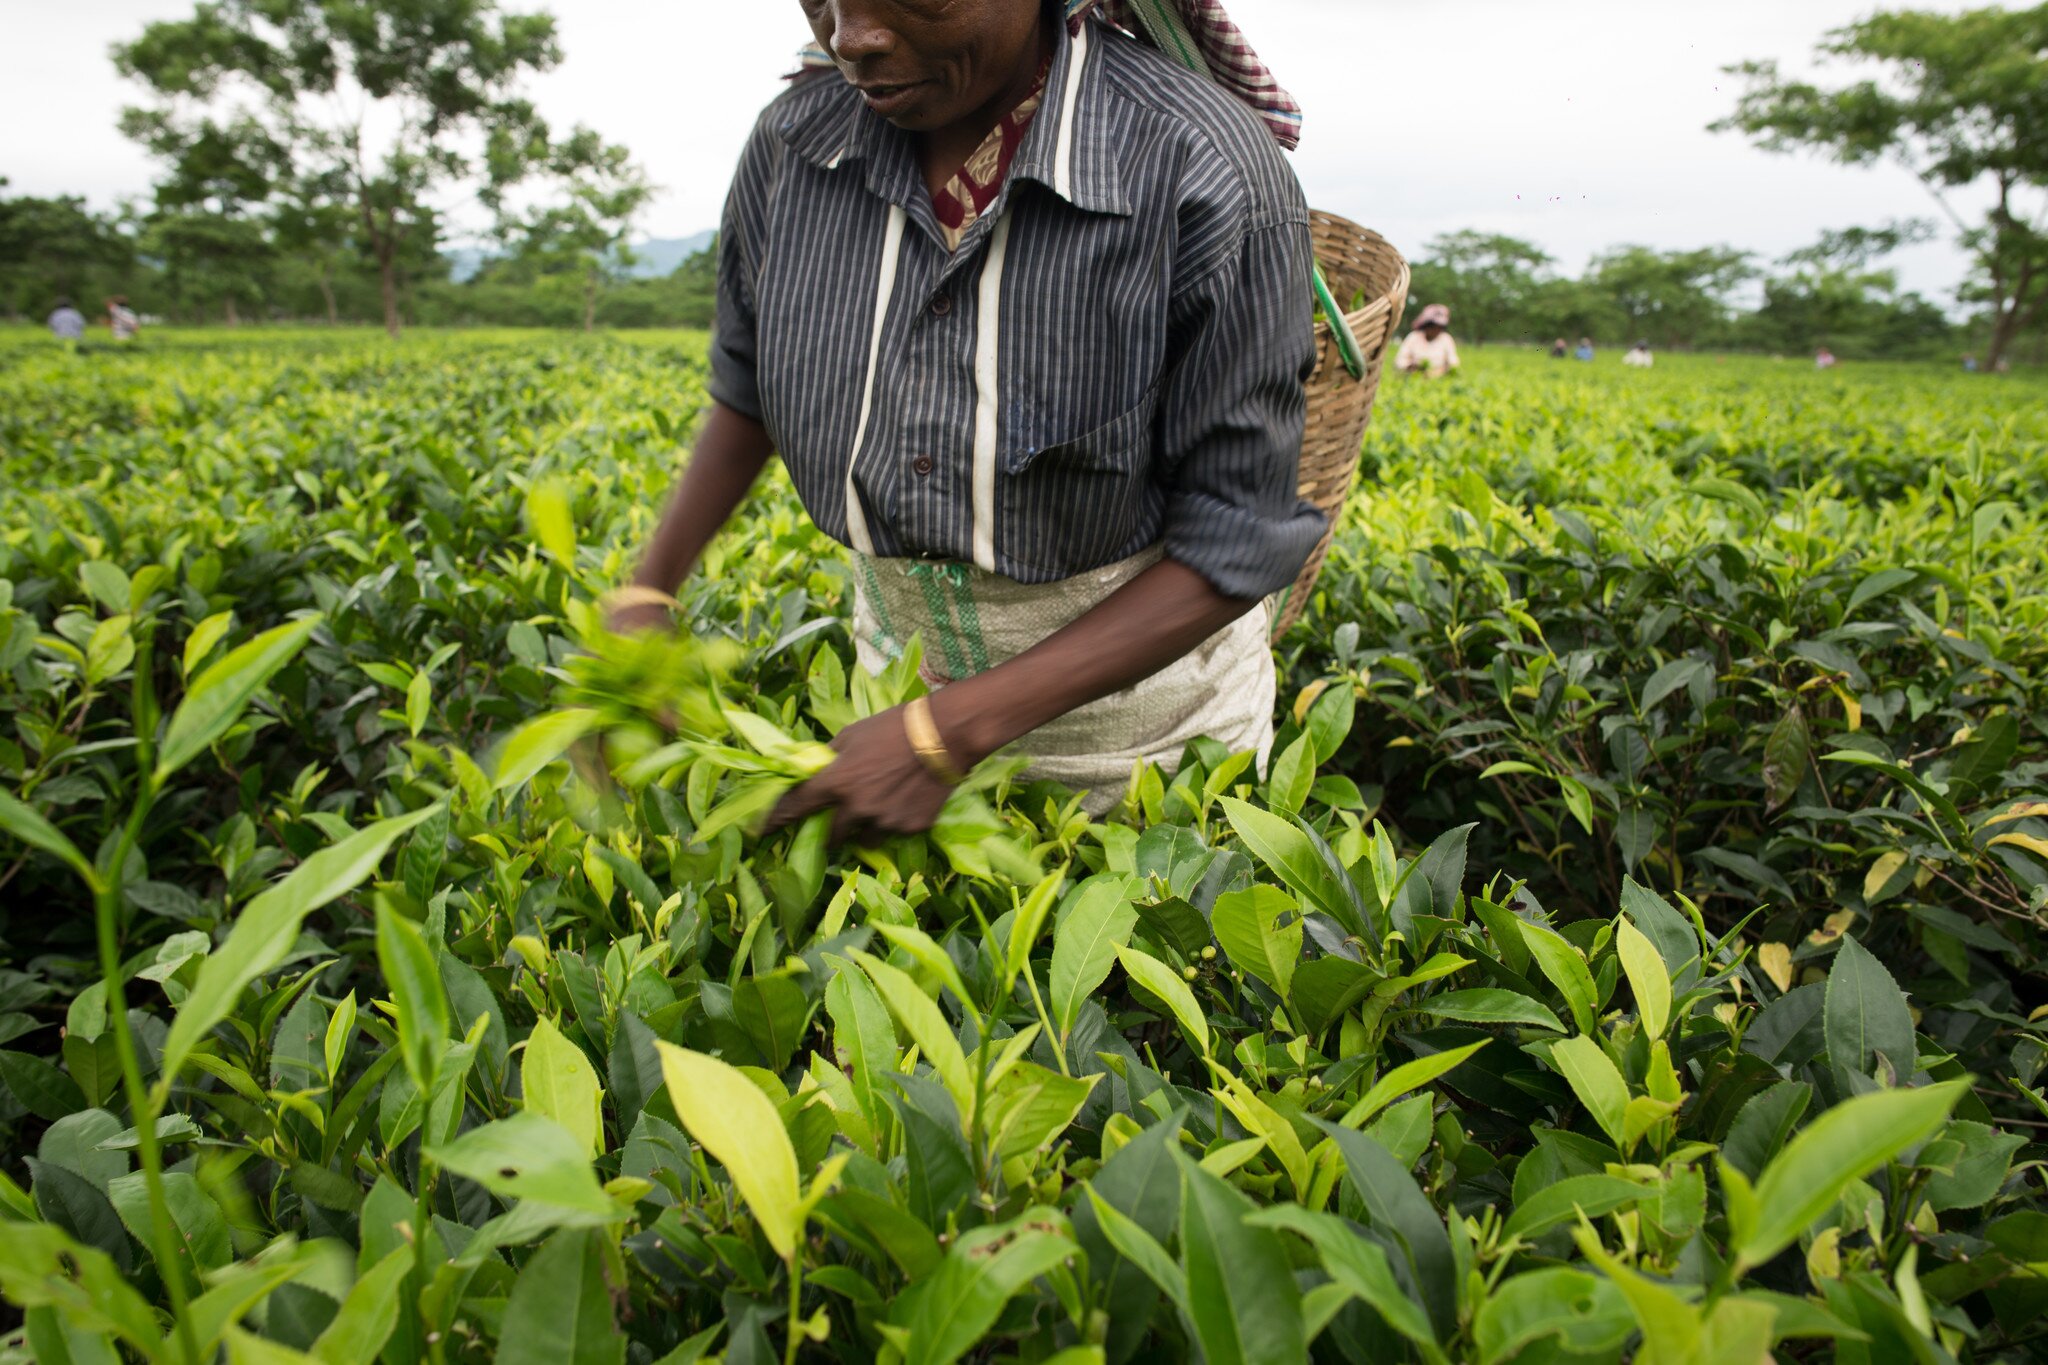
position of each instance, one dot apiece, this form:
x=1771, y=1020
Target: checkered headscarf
x=1198, y=35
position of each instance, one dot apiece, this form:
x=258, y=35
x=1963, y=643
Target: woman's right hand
x=632, y=618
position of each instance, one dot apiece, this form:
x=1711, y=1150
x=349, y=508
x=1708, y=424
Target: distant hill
x=654, y=257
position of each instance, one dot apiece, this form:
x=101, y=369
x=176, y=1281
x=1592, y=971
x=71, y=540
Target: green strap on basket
x=1340, y=326
x=1163, y=24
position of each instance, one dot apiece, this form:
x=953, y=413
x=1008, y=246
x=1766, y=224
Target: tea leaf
x=1833, y=1152
x=267, y=926
x=733, y=1121
x=559, y=1082
x=218, y=696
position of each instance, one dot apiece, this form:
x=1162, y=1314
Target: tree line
x=304, y=147
x=1835, y=293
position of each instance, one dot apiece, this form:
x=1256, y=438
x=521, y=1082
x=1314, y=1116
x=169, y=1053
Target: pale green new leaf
x=1404, y=1078
x=1842, y=1146
x=926, y=1024
x=1566, y=967
x=1084, y=945
x=734, y=1121
x=1648, y=976
x=26, y=824
x=268, y=926
x=538, y=743
x=217, y=697
x=1164, y=982
x=559, y=1082
x=1596, y=1081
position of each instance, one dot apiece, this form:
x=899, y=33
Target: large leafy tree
x=1961, y=100
x=583, y=231
x=1836, y=293
x=50, y=247
x=1486, y=278
x=388, y=101
x=1671, y=297
x=206, y=226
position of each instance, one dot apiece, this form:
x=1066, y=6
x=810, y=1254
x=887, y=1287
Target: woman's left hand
x=878, y=785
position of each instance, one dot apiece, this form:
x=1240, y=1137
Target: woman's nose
x=858, y=32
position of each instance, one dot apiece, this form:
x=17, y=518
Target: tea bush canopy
x=1629, y=952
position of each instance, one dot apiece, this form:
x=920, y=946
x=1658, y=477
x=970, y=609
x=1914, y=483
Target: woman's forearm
x=1150, y=622
x=728, y=457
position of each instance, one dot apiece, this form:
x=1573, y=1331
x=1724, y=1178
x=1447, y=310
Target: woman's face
x=927, y=64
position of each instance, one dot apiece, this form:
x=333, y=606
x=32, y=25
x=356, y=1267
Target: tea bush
x=1627, y=954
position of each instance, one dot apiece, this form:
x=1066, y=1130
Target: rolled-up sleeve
x=735, y=372
x=1232, y=416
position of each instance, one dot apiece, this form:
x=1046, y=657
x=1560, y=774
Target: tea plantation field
x=1631, y=953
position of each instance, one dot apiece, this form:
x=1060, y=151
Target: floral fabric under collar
x=965, y=197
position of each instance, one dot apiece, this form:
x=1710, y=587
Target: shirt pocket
x=1074, y=501
x=1123, y=443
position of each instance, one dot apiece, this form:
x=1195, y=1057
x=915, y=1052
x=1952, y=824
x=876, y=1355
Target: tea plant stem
x=142, y=1107
x=796, y=1299
x=1059, y=1043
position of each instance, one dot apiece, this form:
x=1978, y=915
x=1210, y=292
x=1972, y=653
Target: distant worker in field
x=1560, y=349
x=1429, y=349
x=66, y=322
x=1585, y=351
x=1824, y=359
x=1969, y=364
x=1023, y=305
x=121, y=319
x=1639, y=356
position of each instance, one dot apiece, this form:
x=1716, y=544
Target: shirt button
x=922, y=465
x=942, y=304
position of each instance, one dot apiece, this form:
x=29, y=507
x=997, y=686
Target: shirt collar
x=1067, y=148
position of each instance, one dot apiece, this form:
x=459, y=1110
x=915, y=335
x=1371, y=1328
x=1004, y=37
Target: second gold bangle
x=929, y=746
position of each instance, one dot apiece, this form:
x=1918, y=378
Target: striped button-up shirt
x=1114, y=357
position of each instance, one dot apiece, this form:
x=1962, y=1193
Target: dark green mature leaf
x=1399, y=1209
x=940, y=1169
x=38, y=1087
x=1763, y=1124
x=561, y=1308
x=1791, y=1029
x=1980, y=1167
x=1788, y=753
x=1585, y=1314
x=1358, y=1265
x=1978, y=764
x=72, y=1203
x=1241, y=1292
x=634, y=1067
x=1486, y=1005
x=75, y=1142
x=199, y=1231
x=1866, y=1015
x=1142, y=1182
x=1564, y=1201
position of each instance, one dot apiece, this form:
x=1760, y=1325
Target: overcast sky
x=1577, y=125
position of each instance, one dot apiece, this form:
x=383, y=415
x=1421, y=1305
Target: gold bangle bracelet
x=639, y=595
x=923, y=734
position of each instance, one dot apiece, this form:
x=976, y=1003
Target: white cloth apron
x=970, y=620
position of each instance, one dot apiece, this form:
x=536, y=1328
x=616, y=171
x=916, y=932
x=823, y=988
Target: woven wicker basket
x=1357, y=262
